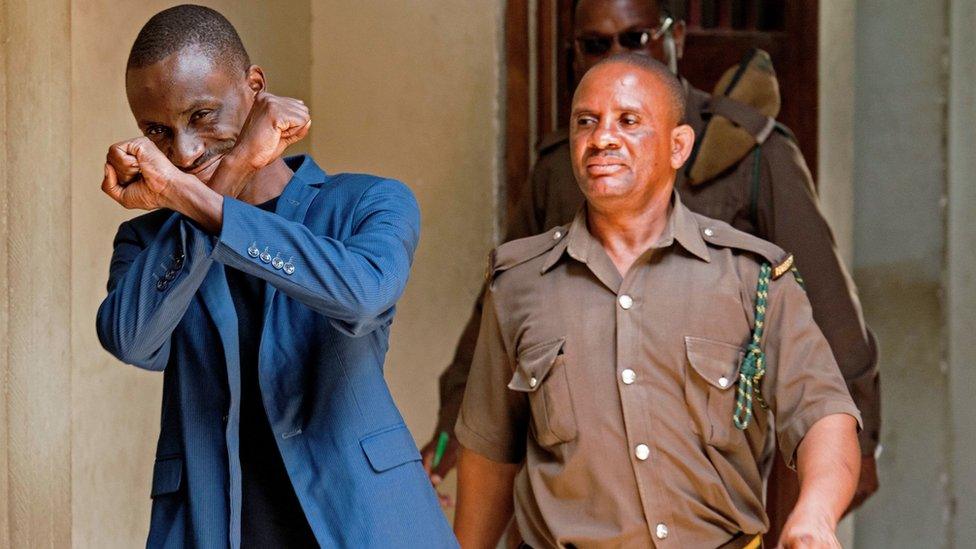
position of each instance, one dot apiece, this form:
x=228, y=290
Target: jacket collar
x=300, y=190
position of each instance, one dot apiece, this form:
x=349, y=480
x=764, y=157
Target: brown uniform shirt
x=618, y=392
x=786, y=213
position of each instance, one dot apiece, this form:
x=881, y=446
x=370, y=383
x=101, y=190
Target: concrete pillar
x=835, y=140
x=960, y=276
x=4, y=490
x=899, y=236
x=36, y=432
x=835, y=121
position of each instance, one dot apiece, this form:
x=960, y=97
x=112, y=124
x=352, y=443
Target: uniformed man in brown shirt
x=625, y=360
x=766, y=191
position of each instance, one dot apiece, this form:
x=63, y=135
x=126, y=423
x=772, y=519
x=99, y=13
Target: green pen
x=442, y=441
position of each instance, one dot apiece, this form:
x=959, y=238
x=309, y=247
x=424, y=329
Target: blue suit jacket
x=336, y=255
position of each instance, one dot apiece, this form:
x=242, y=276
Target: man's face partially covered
x=624, y=136
x=191, y=107
x=599, y=23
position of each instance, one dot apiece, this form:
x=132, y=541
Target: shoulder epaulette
x=519, y=251
x=724, y=235
x=786, y=132
x=551, y=141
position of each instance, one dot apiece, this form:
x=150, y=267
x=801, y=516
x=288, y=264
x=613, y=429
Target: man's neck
x=626, y=233
x=266, y=184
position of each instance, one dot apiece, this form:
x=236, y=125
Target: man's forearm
x=204, y=203
x=232, y=175
x=484, y=499
x=198, y=202
x=828, y=463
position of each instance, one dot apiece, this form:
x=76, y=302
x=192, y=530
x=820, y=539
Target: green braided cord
x=799, y=279
x=753, y=365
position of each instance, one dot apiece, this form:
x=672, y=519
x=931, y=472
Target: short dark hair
x=675, y=89
x=179, y=27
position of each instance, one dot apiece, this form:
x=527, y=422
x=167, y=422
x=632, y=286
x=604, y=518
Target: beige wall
x=835, y=118
x=36, y=370
x=960, y=276
x=409, y=90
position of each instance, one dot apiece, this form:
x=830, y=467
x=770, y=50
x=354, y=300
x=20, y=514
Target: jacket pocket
x=389, y=448
x=167, y=475
x=709, y=388
x=541, y=373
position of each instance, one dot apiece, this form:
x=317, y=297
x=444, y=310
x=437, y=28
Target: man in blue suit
x=264, y=289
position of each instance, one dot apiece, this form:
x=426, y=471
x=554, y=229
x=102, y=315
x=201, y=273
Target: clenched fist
x=273, y=124
x=138, y=175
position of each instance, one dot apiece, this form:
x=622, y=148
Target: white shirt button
x=625, y=301
x=709, y=232
x=557, y=235
x=723, y=382
x=661, y=530
x=628, y=376
x=533, y=382
x=642, y=452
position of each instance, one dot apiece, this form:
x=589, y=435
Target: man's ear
x=255, y=79
x=678, y=34
x=682, y=142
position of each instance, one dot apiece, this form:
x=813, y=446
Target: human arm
x=151, y=283
x=485, y=503
x=154, y=276
x=354, y=282
x=827, y=462
x=492, y=429
x=138, y=176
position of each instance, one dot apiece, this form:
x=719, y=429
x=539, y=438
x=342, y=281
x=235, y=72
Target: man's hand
x=809, y=529
x=448, y=461
x=273, y=124
x=867, y=483
x=827, y=461
x=138, y=175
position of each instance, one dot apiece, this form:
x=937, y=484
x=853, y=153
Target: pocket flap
x=716, y=362
x=389, y=448
x=534, y=364
x=167, y=475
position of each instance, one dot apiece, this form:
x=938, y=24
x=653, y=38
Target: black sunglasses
x=633, y=40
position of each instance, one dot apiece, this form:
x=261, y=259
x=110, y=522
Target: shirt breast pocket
x=541, y=373
x=710, y=389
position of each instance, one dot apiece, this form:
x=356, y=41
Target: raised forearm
x=232, y=175
x=484, y=499
x=828, y=463
x=198, y=202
